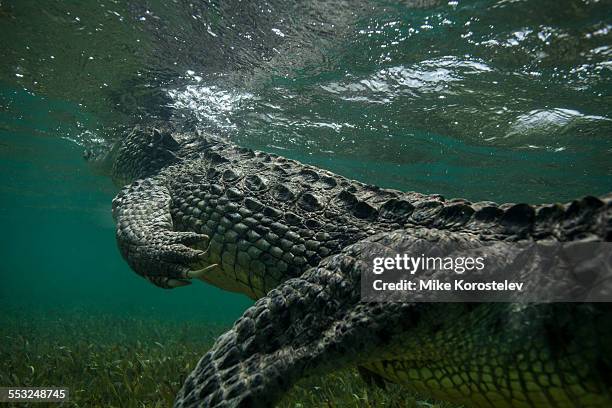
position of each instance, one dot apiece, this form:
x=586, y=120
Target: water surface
x=487, y=100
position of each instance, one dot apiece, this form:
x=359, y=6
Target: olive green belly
x=493, y=357
x=493, y=386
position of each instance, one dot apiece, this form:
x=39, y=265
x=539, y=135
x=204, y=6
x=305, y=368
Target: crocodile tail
x=587, y=217
x=317, y=323
x=311, y=324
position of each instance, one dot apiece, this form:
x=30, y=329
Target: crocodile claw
x=200, y=273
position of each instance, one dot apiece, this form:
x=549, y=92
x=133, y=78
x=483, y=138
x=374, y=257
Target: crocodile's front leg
x=147, y=239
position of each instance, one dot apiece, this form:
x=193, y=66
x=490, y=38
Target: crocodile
x=294, y=238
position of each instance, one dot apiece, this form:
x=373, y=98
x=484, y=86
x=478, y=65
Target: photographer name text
x=457, y=266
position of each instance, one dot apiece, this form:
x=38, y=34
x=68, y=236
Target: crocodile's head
x=141, y=153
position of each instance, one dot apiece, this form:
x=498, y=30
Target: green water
x=487, y=100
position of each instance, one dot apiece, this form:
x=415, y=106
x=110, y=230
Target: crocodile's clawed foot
x=177, y=259
x=180, y=260
x=148, y=240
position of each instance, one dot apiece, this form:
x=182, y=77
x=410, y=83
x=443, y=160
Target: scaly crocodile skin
x=296, y=237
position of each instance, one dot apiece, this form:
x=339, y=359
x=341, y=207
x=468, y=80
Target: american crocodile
x=294, y=237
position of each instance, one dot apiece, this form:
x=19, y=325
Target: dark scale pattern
x=297, y=237
x=481, y=355
x=271, y=223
